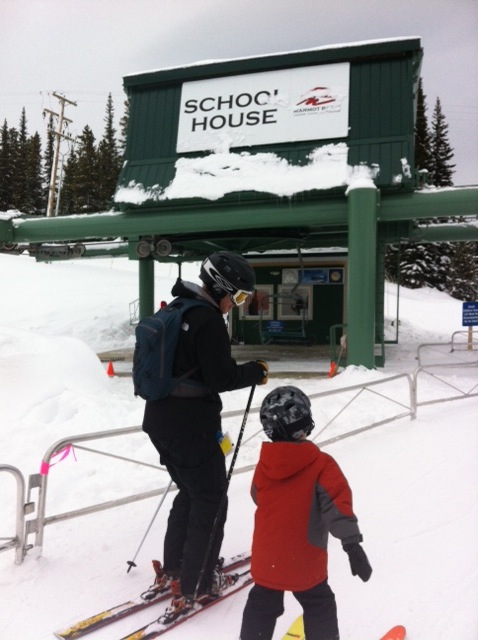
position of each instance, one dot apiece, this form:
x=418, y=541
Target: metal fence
x=17, y=541
x=398, y=398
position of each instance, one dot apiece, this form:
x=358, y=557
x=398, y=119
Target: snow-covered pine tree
x=462, y=276
x=422, y=139
x=79, y=193
x=427, y=264
x=441, y=152
x=69, y=187
x=124, y=126
x=6, y=167
x=34, y=201
x=109, y=159
x=19, y=156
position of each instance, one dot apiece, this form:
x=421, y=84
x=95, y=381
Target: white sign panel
x=302, y=103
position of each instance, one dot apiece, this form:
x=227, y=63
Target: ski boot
x=222, y=581
x=180, y=604
x=162, y=582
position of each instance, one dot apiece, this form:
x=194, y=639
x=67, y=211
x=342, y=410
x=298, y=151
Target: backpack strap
x=185, y=388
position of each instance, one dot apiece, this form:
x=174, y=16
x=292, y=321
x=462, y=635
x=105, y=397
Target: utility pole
x=59, y=136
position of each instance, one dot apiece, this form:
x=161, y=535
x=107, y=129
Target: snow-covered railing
x=453, y=352
x=134, y=311
x=331, y=419
x=471, y=340
x=40, y=481
x=331, y=416
x=18, y=541
x=443, y=374
x=330, y=422
x=445, y=363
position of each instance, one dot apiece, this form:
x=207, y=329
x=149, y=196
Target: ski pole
x=132, y=563
x=222, y=504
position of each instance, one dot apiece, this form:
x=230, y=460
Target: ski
x=118, y=612
x=396, y=633
x=296, y=632
x=158, y=628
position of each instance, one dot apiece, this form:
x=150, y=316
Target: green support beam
x=461, y=232
x=429, y=204
x=166, y=219
x=361, y=277
x=146, y=288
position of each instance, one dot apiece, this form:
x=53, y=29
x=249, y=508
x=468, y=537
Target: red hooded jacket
x=301, y=495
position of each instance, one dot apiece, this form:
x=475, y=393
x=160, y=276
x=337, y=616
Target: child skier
x=301, y=495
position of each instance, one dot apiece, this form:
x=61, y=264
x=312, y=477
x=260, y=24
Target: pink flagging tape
x=63, y=453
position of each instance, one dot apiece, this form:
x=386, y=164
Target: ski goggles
x=239, y=297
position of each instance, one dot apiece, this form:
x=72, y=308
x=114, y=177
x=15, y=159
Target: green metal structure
x=382, y=82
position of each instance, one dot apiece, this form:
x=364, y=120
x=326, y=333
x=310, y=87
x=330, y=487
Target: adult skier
x=185, y=427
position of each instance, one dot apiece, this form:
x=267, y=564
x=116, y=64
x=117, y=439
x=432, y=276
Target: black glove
x=359, y=563
x=265, y=369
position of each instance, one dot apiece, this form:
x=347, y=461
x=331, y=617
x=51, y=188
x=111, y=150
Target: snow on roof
x=276, y=53
x=213, y=176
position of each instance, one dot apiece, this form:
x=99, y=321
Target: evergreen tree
x=422, y=138
x=427, y=264
x=421, y=265
x=67, y=204
x=85, y=188
x=124, y=122
x=109, y=159
x=91, y=173
x=462, y=277
x=441, y=151
x=14, y=159
x=6, y=169
x=20, y=165
x=34, y=202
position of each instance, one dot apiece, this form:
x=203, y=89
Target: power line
x=59, y=136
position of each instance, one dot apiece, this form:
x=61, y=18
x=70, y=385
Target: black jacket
x=203, y=343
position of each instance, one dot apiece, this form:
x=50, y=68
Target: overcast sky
x=84, y=48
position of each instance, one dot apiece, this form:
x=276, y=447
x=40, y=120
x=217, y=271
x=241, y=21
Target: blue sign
x=275, y=326
x=470, y=314
x=326, y=275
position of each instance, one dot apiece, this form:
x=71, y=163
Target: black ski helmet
x=286, y=414
x=225, y=273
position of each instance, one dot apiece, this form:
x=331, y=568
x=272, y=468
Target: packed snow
x=217, y=174
x=415, y=482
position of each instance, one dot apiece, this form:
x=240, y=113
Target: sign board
x=287, y=105
x=470, y=314
x=325, y=275
x=275, y=326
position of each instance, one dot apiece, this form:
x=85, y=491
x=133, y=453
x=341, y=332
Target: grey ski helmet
x=226, y=273
x=286, y=414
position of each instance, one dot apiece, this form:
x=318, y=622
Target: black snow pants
x=197, y=467
x=264, y=606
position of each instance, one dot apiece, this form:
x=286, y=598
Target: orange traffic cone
x=333, y=369
x=109, y=370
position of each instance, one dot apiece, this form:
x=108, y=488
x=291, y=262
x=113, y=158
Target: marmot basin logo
x=319, y=99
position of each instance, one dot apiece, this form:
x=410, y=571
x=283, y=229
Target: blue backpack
x=156, y=341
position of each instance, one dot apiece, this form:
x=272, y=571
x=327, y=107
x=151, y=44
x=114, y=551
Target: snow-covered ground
x=415, y=482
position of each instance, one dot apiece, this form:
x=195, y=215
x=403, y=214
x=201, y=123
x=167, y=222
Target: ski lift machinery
x=273, y=331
